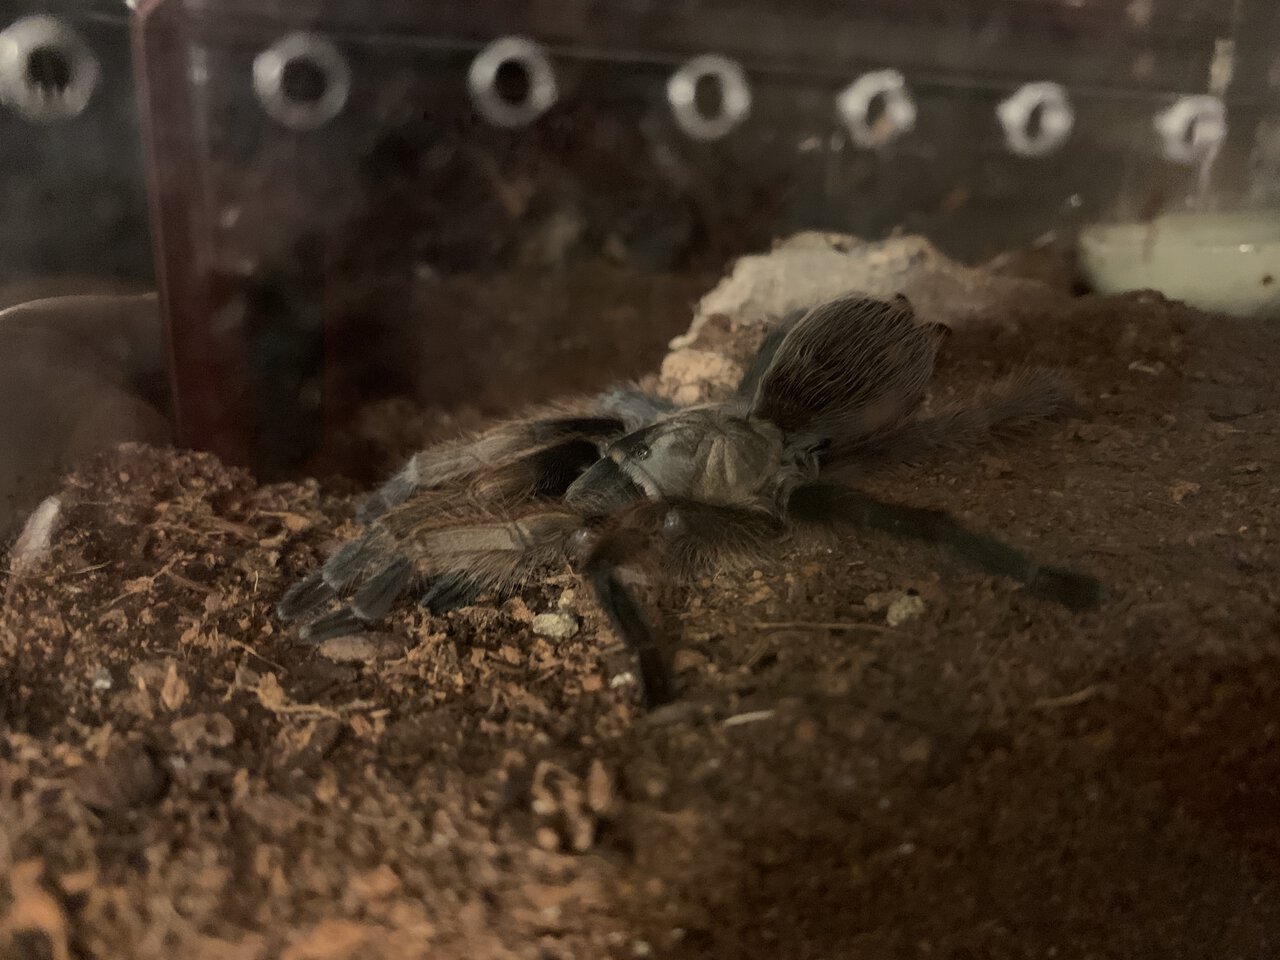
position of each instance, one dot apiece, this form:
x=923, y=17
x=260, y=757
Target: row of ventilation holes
x=47, y=73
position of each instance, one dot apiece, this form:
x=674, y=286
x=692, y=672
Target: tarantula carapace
x=626, y=478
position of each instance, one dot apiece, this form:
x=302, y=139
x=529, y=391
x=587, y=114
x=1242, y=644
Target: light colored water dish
x=1220, y=262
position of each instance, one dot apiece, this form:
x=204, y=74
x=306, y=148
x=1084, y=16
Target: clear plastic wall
x=451, y=202
x=480, y=208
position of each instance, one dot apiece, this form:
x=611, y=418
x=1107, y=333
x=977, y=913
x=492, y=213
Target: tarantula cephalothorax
x=625, y=478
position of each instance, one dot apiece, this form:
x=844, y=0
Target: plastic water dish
x=1221, y=262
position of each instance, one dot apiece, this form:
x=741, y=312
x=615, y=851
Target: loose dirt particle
x=1182, y=490
x=174, y=690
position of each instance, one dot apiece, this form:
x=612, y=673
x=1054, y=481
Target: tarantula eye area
x=634, y=447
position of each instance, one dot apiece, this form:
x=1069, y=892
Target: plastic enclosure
x=356, y=200
x=73, y=200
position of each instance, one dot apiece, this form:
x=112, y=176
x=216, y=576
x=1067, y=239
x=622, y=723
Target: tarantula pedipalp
x=831, y=394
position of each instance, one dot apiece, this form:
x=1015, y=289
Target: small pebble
x=599, y=788
x=358, y=649
x=806, y=732
x=129, y=777
x=1182, y=490
x=995, y=467
x=688, y=660
x=906, y=607
x=555, y=626
x=546, y=838
x=102, y=679
x=917, y=751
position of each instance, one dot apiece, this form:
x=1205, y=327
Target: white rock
x=811, y=268
x=906, y=607
x=557, y=625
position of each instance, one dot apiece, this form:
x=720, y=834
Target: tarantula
x=832, y=393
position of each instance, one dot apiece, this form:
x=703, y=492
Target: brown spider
x=604, y=484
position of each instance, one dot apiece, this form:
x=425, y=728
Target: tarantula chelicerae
x=625, y=477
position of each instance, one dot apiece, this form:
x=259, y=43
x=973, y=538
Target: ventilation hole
x=511, y=82
x=1035, y=122
x=876, y=108
x=48, y=69
x=303, y=81
x=1189, y=132
x=708, y=96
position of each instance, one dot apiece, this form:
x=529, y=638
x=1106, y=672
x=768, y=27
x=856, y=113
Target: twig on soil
x=273, y=697
x=189, y=584
x=1070, y=700
x=219, y=525
x=83, y=570
x=141, y=584
x=252, y=652
x=822, y=625
x=754, y=716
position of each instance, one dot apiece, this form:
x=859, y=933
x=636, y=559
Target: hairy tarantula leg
x=764, y=355
x=451, y=591
x=379, y=593
x=371, y=603
x=682, y=538
x=561, y=428
x=657, y=682
x=1023, y=400
x=339, y=623
x=634, y=407
x=823, y=503
x=391, y=494
x=459, y=460
x=349, y=566
x=337, y=575
x=305, y=596
x=656, y=679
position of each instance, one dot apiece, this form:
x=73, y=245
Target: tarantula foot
x=1075, y=591
x=378, y=595
x=656, y=681
x=449, y=592
x=339, y=623
x=303, y=597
